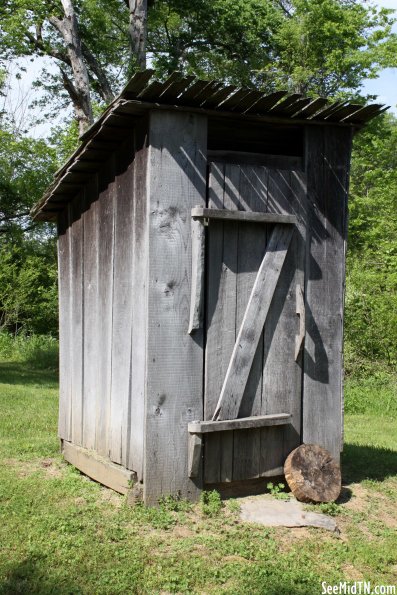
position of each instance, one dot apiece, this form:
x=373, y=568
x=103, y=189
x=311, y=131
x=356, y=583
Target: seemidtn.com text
x=357, y=588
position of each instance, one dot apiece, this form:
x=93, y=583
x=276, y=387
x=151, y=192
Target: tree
x=26, y=168
x=307, y=46
x=317, y=46
x=371, y=300
x=84, y=38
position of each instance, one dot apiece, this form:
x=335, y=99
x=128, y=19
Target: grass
x=61, y=533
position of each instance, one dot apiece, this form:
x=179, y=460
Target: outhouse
x=201, y=242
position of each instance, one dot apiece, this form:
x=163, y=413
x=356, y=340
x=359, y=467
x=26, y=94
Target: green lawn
x=62, y=533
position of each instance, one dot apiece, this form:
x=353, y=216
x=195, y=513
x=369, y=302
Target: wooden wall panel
x=282, y=374
x=327, y=158
x=134, y=414
x=92, y=325
x=174, y=358
x=76, y=231
x=252, y=241
x=221, y=306
x=123, y=299
x=65, y=340
x=105, y=303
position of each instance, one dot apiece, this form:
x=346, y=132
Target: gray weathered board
x=174, y=369
x=102, y=357
x=235, y=252
x=328, y=157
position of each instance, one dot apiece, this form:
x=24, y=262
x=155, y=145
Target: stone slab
x=271, y=512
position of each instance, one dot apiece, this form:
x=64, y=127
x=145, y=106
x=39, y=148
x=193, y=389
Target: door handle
x=300, y=310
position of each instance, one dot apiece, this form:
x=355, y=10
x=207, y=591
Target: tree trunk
x=79, y=90
x=137, y=30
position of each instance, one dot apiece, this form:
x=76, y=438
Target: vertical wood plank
x=327, y=158
x=65, y=345
x=252, y=242
x=214, y=324
x=135, y=408
x=221, y=329
x=123, y=296
x=105, y=299
x=227, y=303
x=77, y=301
x=282, y=384
x=91, y=314
x=178, y=143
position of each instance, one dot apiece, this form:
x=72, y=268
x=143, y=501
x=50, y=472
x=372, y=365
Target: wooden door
x=235, y=253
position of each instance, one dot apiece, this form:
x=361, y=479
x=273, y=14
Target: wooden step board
x=196, y=430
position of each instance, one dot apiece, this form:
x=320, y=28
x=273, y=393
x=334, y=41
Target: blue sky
x=385, y=86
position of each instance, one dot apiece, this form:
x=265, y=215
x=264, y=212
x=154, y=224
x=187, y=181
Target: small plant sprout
x=276, y=490
x=210, y=503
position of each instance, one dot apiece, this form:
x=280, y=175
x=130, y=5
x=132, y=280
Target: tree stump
x=312, y=474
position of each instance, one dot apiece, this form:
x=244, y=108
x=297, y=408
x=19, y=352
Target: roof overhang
x=180, y=93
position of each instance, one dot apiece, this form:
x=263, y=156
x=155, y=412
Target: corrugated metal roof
x=186, y=93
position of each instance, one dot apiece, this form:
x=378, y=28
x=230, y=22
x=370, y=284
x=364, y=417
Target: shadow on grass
x=30, y=577
x=367, y=462
x=22, y=373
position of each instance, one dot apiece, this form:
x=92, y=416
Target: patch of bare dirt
x=111, y=497
x=359, y=499
x=181, y=531
x=51, y=467
x=23, y=469
x=351, y=573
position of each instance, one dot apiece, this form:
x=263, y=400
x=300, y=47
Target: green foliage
x=27, y=30
x=62, y=533
x=210, y=502
x=322, y=46
x=38, y=351
x=175, y=504
x=330, y=508
x=233, y=506
x=26, y=169
x=371, y=296
x=277, y=490
x=28, y=287
x=375, y=392
x=329, y=46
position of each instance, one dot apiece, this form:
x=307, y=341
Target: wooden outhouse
x=202, y=238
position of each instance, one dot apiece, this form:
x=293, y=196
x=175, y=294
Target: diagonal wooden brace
x=254, y=319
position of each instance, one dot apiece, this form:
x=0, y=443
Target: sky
x=384, y=87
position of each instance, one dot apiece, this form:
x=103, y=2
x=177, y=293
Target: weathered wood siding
x=327, y=158
x=234, y=255
x=102, y=287
x=177, y=182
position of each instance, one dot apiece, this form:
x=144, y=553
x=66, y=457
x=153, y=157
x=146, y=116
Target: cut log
x=312, y=474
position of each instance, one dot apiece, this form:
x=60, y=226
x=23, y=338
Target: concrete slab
x=271, y=512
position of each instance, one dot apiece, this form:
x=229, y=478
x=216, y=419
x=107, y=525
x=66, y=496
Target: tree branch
x=105, y=89
x=40, y=45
